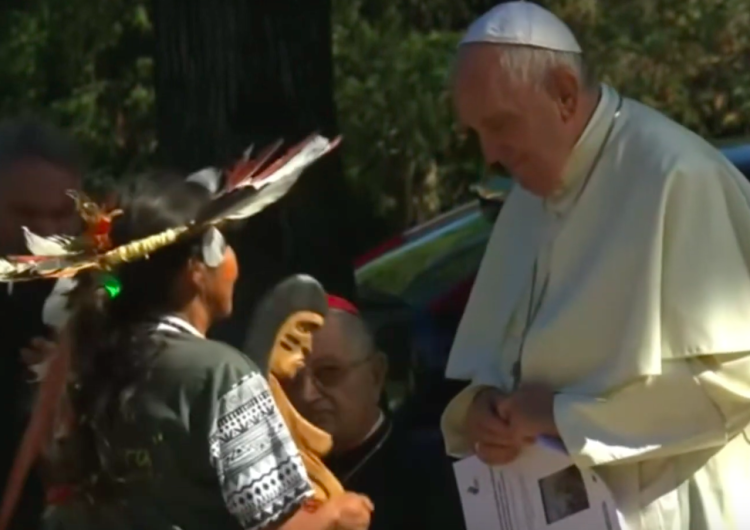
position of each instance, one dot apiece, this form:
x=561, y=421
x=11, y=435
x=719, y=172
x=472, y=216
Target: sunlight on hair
x=531, y=65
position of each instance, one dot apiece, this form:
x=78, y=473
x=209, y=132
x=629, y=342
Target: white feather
x=209, y=178
x=6, y=267
x=55, y=312
x=276, y=185
x=46, y=246
x=248, y=152
x=9, y=270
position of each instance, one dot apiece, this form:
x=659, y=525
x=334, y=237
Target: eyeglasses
x=330, y=375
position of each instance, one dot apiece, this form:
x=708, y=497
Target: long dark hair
x=112, y=342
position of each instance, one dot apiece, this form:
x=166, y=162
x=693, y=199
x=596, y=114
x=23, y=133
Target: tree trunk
x=237, y=72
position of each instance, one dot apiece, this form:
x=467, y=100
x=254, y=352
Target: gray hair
x=357, y=333
x=32, y=139
x=531, y=65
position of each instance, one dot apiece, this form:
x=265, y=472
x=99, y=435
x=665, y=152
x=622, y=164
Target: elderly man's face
x=520, y=127
x=32, y=194
x=339, y=389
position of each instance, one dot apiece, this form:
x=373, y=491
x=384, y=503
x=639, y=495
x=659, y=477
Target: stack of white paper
x=540, y=490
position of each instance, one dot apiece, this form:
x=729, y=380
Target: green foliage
x=395, y=113
x=688, y=58
x=88, y=66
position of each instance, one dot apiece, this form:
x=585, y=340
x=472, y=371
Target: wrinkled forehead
x=36, y=182
x=480, y=85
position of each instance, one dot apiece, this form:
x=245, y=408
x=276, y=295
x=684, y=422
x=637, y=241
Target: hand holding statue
x=349, y=511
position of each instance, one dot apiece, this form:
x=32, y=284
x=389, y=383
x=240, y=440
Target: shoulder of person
x=211, y=377
x=668, y=154
x=207, y=360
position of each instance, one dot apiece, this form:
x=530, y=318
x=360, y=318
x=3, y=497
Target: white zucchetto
x=523, y=24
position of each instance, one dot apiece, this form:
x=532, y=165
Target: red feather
x=247, y=168
x=291, y=152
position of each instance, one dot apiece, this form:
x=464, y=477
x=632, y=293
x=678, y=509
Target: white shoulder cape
x=651, y=264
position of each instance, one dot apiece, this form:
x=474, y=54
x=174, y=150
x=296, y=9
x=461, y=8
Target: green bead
x=112, y=285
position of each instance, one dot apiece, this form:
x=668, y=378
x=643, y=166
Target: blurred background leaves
x=88, y=65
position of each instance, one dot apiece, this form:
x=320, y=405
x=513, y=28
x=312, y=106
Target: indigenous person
x=175, y=430
x=135, y=405
x=340, y=390
x=38, y=164
x=612, y=307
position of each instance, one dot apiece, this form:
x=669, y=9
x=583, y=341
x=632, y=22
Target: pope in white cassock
x=612, y=307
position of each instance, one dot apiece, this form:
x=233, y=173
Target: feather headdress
x=249, y=187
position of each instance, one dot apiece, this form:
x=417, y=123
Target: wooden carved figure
x=279, y=340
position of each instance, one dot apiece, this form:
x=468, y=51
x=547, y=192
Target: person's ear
x=197, y=275
x=380, y=370
x=565, y=90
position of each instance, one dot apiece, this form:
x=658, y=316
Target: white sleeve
x=260, y=471
x=452, y=421
x=694, y=404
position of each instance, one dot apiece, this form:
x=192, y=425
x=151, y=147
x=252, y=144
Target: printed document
x=540, y=490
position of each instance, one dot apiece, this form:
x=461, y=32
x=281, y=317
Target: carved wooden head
x=280, y=332
x=293, y=344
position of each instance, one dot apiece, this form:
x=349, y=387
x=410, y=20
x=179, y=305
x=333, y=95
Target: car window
x=740, y=157
x=399, y=268
x=395, y=271
x=447, y=270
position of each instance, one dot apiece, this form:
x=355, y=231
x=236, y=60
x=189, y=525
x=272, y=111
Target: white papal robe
x=629, y=293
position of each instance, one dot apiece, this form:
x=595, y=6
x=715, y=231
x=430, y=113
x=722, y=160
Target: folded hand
x=494, y=441
x=530, y=412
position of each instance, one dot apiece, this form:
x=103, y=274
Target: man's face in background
x=339, y=389
x=33, y=194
